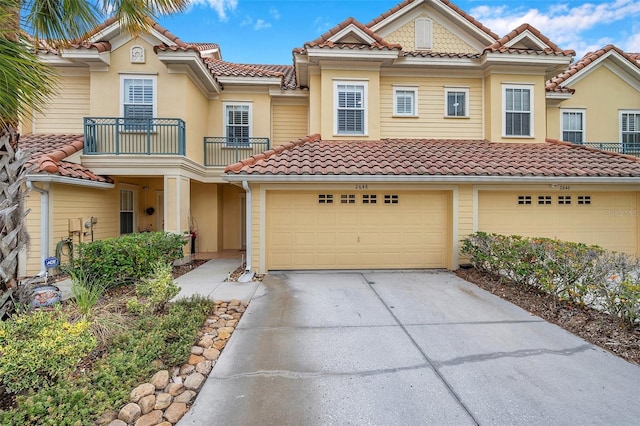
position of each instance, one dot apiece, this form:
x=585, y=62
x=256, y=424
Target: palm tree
x=25, y=85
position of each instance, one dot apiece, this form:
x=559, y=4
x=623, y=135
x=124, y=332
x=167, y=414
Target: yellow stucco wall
x=494, y=114
x=204, y=208
x=431, y=121
x=443, y=39
x=64, y=111
x=260, y=112
x=290, y=121
x=601, y=94
x=232, y=217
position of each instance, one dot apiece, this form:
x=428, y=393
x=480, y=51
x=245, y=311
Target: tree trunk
x=13, y=232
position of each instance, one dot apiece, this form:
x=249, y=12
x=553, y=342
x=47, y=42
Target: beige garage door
x=355, y=230
x=608, y=219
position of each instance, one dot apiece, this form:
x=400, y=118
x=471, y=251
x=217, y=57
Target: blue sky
x=266, y=31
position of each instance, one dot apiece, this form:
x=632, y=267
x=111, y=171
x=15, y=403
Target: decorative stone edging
x=169, y=394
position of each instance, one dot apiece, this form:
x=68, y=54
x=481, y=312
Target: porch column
x=177, y=199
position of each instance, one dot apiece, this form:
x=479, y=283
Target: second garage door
x=362, y=230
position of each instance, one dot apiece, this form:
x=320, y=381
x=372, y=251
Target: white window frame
x=398, y=91
x=464, y=90
x=423, y=28
x=225, y=123
x=505, y=88
x=583, y=113
x=620, y=127
x=365, y=107
x=124, y=95
x=133, y=192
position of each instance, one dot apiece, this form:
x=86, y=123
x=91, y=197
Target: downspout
x=44, y=225
x=248, y=273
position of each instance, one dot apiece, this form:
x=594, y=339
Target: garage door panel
x=414, y=233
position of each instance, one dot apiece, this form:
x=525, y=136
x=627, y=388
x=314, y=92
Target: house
x=381, y=146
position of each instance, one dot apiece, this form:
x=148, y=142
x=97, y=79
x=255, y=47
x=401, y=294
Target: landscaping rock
x=146, y=403
x=204, y=367
x=225, y=332
x=151, y=419
x=163, y=400
x=194, y=381
x=194, y=359
x=211, y=354
x=130, y=413
x=186, y=396
x=117, y=422
x=175, y=412
x=107, y=417
x=197, y=350
x=219, y=344
x=160, y=380
x=174, y=389
x=187, y=369
x=142, y=390
x=206, y=341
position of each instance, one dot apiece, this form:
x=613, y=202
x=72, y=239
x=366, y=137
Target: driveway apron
x=398, y=348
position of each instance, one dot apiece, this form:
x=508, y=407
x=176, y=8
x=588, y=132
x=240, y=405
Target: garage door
x=370, y=230
x=606, y=219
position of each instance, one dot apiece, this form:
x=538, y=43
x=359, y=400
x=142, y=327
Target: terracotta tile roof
x=285, y=72
x=447, y=3
x=634, y=56
x=555, y=84
x=48, y=152
x=553, y=49
x=378, y=44
x=413, y=157
x=425, y=54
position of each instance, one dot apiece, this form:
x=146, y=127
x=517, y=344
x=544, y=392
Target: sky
x=266, y=31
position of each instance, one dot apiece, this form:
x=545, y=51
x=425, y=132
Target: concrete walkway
x=210, y=278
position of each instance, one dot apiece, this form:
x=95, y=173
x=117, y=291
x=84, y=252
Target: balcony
x=629, y=148
x=221, y=151
x=134, y=136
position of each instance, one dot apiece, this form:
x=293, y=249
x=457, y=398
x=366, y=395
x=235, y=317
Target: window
x=369, y=199
x=126, y=211
x=573, y=126
x=544, y=200
x=584, y=199
x=350, y=108
x=564, y=199
x=524, y=199
x=424, y=34
x=138, y=102
x=517, y=104
x=325, y=198
x=405, y=101
x=630, y=131
x=237, y=119
x=348, y=198
x=456, y=102
x=391, y=199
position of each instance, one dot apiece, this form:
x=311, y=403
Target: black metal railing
x=630, y=148
x=128, y=136
x=221, y=151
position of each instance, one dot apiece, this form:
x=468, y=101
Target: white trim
x=365, y=95
x=423, y=41
x=525, y=86
x=625, y=111
x=352, y=29
x=581, y=111
x=414, y=106
x=69, y=181
x=134, y=201
x=449, y=89
x=227, y=104
x=135, y=76
x=455, y=231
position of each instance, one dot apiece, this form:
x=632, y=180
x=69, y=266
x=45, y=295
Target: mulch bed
x=593, y=326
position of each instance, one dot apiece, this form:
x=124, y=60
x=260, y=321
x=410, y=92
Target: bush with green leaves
x=41, y=348
x=130, y=360
x=572, y=272
x=128, y=258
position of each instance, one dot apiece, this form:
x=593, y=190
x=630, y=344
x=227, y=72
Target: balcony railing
x=130, y=136
x=630, y=148
x=221, y=151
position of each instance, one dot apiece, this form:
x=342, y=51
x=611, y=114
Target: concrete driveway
x=401, y=348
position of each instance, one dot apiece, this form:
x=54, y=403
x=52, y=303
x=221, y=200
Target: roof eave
x=194, y=62
x=49, y=178
x=355, y=54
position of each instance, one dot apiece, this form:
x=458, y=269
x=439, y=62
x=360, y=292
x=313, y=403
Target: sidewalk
x=209, y=280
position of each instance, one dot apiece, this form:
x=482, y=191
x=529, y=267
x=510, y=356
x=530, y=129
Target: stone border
x=167, y=397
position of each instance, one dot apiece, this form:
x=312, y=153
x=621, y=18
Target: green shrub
x=159, y=287
x=41, y=348
x=128, y=258
x=85, y=291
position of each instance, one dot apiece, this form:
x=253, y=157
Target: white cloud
x=322, y=24
x=632, y=43
x=247, y=21
x=261, y=24
x=274, y=13
x=222, y=7
x=564, y=25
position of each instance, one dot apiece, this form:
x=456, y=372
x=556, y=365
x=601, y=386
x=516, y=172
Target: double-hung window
x=518, y=110
x=237, y=124
x=350, y=107
x=457, y=102
x=405, y=101
x=573, y=126
x=138, y=102
x=630, y=131
x=126, y=211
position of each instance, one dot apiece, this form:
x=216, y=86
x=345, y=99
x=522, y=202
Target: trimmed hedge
x=573, y=272
x=128, y=258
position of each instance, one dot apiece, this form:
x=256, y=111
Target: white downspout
x=248, y=274
x=44, y=225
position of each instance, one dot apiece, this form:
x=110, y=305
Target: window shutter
x=424, y=30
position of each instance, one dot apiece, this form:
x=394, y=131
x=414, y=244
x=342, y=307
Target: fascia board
x=352, y=54
x=194, y=62
x=352, y=29
x=86, y=55
x=69, y=181
x=250, y=80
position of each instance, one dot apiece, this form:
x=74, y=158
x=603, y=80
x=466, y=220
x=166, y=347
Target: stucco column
x=177, y=199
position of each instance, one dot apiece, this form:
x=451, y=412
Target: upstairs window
x=138, y=101
x=237, y=125
x=404, y=101
x=350, y=108
x=573, y=126
x=457, y=102
x=424, y=34
x=630, y=131
x=518, y=112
